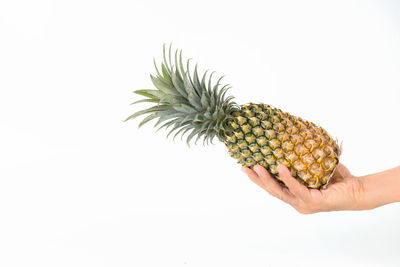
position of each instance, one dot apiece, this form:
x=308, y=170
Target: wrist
x=379, y=189
x=366, y=199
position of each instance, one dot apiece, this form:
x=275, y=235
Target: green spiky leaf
x=184, y=102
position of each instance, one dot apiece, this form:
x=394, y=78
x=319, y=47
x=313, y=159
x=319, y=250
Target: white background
x=79, y=187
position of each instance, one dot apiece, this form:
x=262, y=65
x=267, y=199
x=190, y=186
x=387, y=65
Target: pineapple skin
x=264, y=135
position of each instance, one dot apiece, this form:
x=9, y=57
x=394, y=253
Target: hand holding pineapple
x=345, y=191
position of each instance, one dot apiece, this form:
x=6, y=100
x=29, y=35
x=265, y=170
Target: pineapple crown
x=185, y=103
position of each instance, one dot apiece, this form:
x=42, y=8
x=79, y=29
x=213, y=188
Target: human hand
x=344, y=192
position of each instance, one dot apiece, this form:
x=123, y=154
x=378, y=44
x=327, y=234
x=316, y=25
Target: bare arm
x=381, y=188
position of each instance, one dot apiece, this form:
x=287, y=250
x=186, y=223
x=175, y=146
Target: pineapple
x=253, y=133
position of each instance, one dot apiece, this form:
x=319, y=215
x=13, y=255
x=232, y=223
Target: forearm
x=380, y=188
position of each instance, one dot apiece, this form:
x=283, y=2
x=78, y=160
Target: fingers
x=304, y=200
x=271, y=185
x=296, y=188
x=253, y=176
x=296, y=194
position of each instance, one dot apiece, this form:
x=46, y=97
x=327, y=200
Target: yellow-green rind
x=265, y=135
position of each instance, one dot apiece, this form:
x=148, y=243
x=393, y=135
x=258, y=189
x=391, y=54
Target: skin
x=345, y=191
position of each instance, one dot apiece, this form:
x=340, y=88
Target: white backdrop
x=79, y=187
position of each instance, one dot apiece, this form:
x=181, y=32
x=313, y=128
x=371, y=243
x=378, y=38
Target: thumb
x=342, y=172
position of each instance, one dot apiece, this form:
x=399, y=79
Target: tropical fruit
x=253, y=133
